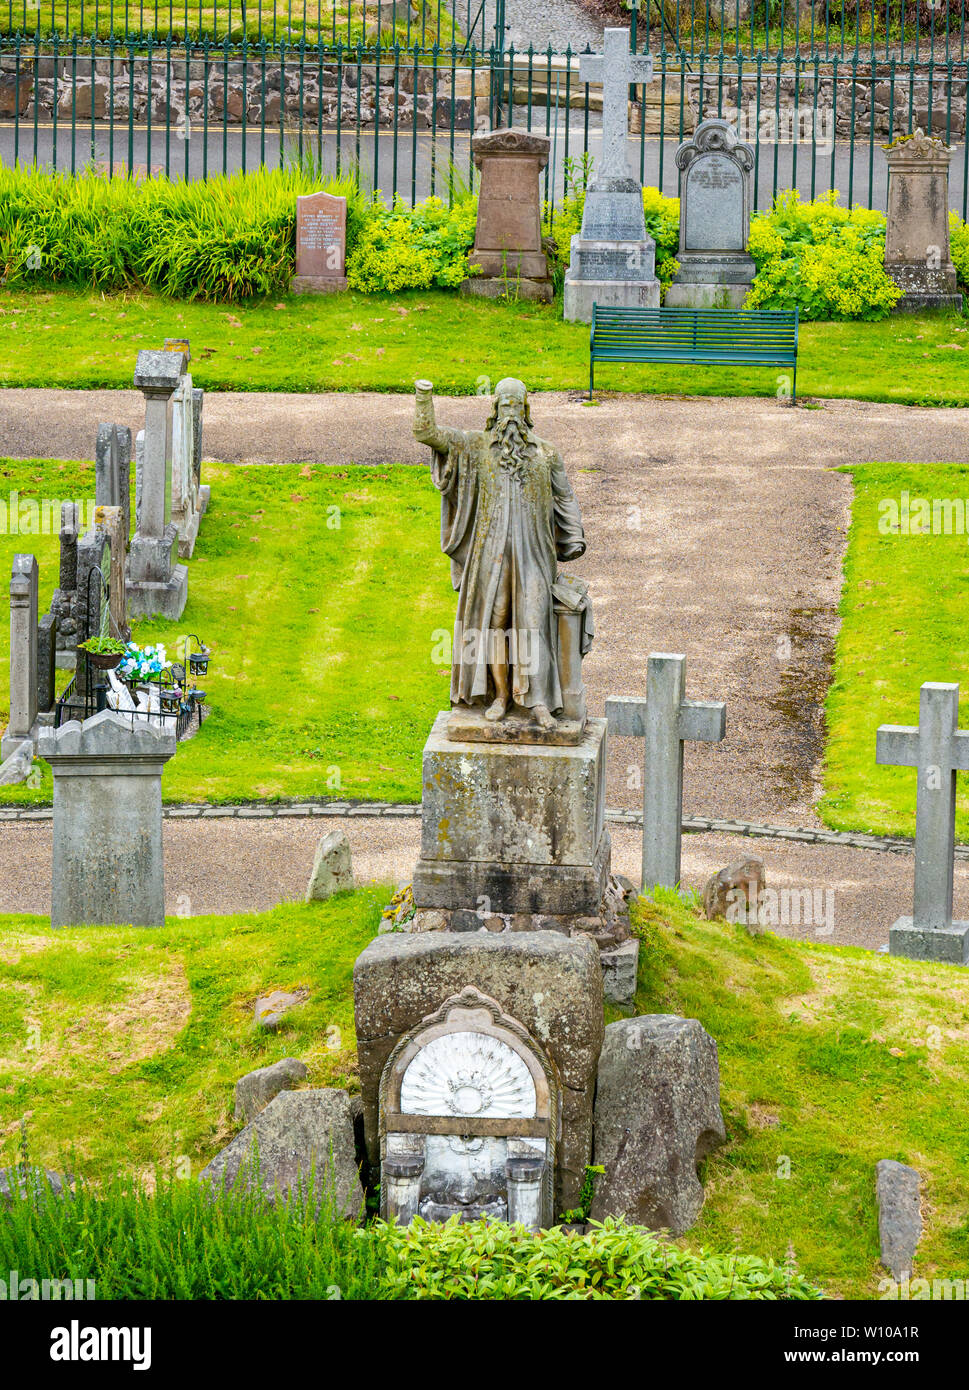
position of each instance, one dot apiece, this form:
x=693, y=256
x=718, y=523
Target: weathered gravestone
x=64, y=601
x=22, y=724
x=113, y=472
x=189, y=498
x=937, y=749
x=664, y=720
x=917, y=254
x=715, y=268
x=477, y=1066
x=108, y=861
x=612, y=259
x=321, y=244
x=156, y=585
x=657, y=1117
x=508, y=233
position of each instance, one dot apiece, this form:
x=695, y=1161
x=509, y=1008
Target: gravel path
x=250, y=866
x=560, y=23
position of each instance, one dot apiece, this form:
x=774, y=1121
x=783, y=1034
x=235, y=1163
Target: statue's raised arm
x=426, y=430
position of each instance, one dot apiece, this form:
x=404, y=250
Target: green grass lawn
x=315, y=21
x=355, y=342
x=126, y=1044
x=307, y=621
x=903, y=621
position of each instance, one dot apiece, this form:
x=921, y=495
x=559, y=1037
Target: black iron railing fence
x=402, y=119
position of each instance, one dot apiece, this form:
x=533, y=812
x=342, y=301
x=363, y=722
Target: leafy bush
x=959, y=249
x=184, y=1242
x=612, y=1261
x=403, y=248
x=823, y=258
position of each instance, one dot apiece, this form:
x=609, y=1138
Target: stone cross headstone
x=156, y=585
x=508, y=231
x=612, y=259
x=917, y=254
x=715, y=268
x=108, y=864
x=321, y=244
x=938, y=749
x=665, y=720
x=24, y=583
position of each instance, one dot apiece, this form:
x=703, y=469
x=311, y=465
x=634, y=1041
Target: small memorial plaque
x=321, y=243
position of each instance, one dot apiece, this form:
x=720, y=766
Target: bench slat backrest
x=643, y=332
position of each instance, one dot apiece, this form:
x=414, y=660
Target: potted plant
x=103, y=652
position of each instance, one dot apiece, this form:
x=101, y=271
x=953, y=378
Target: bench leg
x=794, y=389
x=592, y=372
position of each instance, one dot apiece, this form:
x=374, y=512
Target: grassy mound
x=126, y=1044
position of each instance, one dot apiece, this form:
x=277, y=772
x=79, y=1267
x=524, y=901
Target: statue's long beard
x=511, y=439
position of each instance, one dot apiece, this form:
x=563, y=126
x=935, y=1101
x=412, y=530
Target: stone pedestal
x=508, y=235
x=715, y=269
x=948, y=943
x=156, y=585
x=917, y=255
x=108, y=865
x=513, y=828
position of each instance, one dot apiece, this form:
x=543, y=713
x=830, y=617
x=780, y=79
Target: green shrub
x=959, y=249
x=825, y=259
x=403, y=248
x=612, y=1261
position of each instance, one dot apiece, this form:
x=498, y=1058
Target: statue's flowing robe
x=490, y=518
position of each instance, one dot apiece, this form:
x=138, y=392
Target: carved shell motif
x=467, y=1074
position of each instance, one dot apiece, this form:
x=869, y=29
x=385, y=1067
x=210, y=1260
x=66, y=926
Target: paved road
x=418, y=164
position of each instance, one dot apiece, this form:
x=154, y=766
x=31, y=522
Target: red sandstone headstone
x=321, y=244
x=508, y=236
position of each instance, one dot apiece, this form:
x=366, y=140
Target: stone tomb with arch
x=469, y=1114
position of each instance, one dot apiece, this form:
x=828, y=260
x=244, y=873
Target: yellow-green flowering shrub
x=403, y=248
x=959, y=249
x=825, y=259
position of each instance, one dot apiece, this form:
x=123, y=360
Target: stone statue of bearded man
x=508, y=516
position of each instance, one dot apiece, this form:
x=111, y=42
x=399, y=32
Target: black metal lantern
x=169, y=698
x=198, y=662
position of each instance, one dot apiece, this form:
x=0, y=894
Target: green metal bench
x=767, y=336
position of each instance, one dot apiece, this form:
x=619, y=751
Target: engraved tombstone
x=917, y=253
x=321, y=244
x=715, y=268
x=508, y=232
